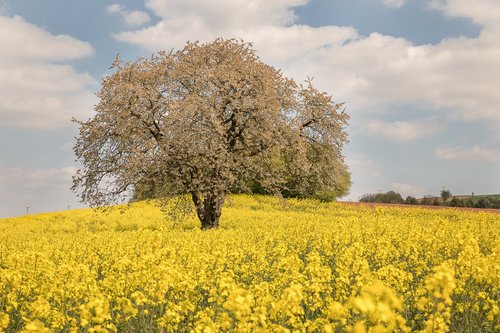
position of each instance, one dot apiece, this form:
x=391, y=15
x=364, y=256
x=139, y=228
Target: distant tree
x=495, y=203
x=468, y=203
x=203, y=120
x=445, y=194
x=388, y=197
x=427, y=200
x=483, y=202
x=455, y=202
x=394, y=197
x=367, y=197
x=411, y=200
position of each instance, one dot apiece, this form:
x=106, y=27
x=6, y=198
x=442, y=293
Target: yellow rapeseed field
x=304, y=267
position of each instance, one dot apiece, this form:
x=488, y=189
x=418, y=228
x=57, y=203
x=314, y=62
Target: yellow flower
x=4, y=320
x=306, y=267
x=36, y=326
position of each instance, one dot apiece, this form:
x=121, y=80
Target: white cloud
x=475, y=153
x=260, y=21
x=401, y=130
x=136, y=17
x=131, y=18
x=407, y=189
x=394, y=3
x=363, y=167
x=37, y=88
x=226, y=14
x=457, y=76
x=483, y=12
x=35, y=178
x=22, y=41
x=114, y=8
x=41, y=189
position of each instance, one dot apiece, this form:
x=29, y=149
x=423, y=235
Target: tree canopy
x=445, y=194
x=203, y=120
x=388, y=197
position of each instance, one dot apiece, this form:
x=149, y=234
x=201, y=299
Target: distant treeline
x=446, y=199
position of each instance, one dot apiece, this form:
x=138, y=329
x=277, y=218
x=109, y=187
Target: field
x=304, y=267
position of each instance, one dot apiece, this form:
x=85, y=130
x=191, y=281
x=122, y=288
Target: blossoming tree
x=202, y=120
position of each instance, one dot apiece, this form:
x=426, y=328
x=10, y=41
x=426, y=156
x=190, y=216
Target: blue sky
x=420, y=79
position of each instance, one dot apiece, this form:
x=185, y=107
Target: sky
x=420, y=80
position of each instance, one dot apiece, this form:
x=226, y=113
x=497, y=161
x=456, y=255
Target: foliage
x=480, y=201
x=203, y=120
x=486, y=201
x=338, y=190
x=455, y=202
x=313, y=267
x=427, y=200
x=388, y=197
x=445, y=194
x=411, y=200
x=469, y=203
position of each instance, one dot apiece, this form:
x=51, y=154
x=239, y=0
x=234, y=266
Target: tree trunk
x=208, y=209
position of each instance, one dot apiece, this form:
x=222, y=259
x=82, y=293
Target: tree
x=411, y=200
x=388, y=197
x=427, y=200
x=340, y=189
x=445, y=194
x=205, y=119
x=394, y=197
x=469, y=203
x=367, y=197
x=455, y=202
